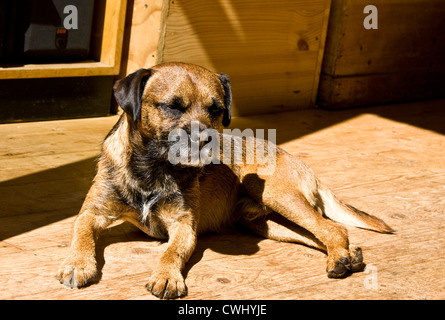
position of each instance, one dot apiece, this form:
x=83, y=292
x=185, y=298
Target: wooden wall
x=272, y=49
x=402, y=60
x=141, y=36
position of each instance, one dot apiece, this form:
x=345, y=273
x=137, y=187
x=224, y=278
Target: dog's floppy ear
x=227, y=116
x=128, y=92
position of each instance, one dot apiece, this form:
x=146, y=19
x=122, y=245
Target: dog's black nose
x=197, y=131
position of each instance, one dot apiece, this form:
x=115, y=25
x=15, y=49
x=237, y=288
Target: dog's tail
x=339, y=211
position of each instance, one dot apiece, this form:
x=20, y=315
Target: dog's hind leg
x=309, y=227
x=265, y=222
x=290, y=189
x=276, y=227
x=333, y=235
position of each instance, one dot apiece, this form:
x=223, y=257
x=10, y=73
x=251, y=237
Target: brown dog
x=136, y=182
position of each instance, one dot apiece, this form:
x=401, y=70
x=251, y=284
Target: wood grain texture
x=271, y=49
x=58, y=70
x=386, y=160
x=113, y=33
x=142, y=32
x=372, y=89
x=410, y=36
x=402, y=60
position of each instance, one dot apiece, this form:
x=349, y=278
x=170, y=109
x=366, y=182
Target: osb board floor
x=387, y=160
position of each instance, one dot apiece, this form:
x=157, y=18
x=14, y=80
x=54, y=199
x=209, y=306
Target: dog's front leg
x=80, y=267
x=166, y=281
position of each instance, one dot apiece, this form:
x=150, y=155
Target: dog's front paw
x=166, y=284
x=76, y=273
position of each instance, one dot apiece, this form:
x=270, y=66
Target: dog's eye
x=174, y=105
x=177, y=105
x=216, y=109
x=175, y=109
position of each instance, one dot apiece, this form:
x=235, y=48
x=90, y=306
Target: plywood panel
x=410, y=36
x=271, y=49
x=113, y=33
x=405, y=52
x=387, y=160
x=373, y=89
x=142, y=32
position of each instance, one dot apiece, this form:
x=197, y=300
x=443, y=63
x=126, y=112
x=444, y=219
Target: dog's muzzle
x=192, y=145
x=198, y=133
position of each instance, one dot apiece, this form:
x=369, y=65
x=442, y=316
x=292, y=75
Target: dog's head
x=172, y=95
x=175, y=97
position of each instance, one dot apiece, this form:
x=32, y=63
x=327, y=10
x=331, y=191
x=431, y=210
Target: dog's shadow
x=234, y=240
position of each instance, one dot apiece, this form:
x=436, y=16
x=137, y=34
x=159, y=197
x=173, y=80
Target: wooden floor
x=387, y=160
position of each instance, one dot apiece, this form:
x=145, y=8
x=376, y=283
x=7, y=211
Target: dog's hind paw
x=341, y=267
x=357, y=264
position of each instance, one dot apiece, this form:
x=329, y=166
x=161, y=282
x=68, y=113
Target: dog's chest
x=148, y=216
x=156, y=190
x=149, y=203
x=150, y=208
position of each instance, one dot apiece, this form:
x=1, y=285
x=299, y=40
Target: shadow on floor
x=42, y=198
x=232, y=241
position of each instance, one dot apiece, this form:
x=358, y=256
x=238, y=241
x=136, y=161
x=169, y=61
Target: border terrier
x=136, y=182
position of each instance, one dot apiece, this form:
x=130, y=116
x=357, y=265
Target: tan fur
x=286, y=203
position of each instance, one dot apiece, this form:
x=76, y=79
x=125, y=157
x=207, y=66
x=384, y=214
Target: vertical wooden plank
x=163, y=30
x=321, y=50
x=143, y=31
x=114, y=23
x=334, y=35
